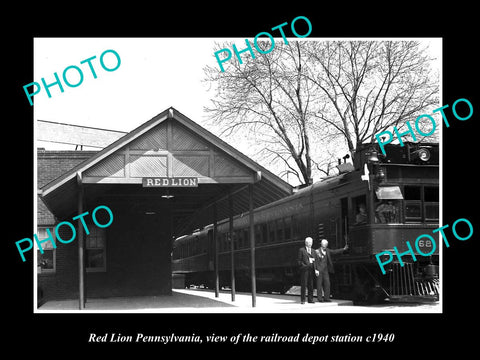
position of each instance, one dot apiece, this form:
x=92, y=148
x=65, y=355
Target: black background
x=415, y=334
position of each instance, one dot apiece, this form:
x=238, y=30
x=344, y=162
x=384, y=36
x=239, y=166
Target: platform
x=204, y=301
x=195, y=301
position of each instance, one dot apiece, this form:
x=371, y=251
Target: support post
x=81, y=250
x=252, y=245
x=215, y=246
x=371, y=197
x=232, y=246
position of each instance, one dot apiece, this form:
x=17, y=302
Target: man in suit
x=324, y=266
x=306, y=260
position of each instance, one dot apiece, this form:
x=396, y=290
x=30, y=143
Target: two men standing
x=316, y=263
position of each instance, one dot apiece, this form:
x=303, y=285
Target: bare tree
x=370, y=86
x=272, y=97
x=306, y=100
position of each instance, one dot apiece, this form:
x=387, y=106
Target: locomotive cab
x=400, y=202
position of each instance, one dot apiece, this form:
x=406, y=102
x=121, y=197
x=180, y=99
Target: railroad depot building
x=162, y=180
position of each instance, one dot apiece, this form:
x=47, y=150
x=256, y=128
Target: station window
x=46, y=262
x=95, y=250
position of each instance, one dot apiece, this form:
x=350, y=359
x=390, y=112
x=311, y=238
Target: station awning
x=168, y=158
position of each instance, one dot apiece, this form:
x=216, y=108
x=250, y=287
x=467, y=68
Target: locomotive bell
x=372, y=156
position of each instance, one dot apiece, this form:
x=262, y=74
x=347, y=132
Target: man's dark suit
x=324, y=265
x=307, y=272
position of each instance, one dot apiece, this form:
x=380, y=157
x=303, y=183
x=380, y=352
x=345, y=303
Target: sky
x=154, y=74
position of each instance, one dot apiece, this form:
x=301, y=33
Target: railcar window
x=412, y=193
x=320, y=231
x=220, y=242
x=288, y=228
x=239, y=236
x=431, y=203
x=280, y=230
x=271, y=235
x=246, y=238
x=388, y=212
x=258, y=234
x=421, y=203
x=229, y=241
x=360, y=210
x=431, y=193
x=413, y=203
x=295, y=227
x=225, y=241
x=264, y=232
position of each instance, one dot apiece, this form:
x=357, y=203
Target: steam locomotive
x=373, y=204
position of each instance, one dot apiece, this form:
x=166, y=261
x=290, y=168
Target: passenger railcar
x=372, y=205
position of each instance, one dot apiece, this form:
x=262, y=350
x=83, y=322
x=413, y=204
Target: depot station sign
x=169, y=182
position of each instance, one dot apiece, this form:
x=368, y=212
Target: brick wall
x=51, y=165
x=63, y=284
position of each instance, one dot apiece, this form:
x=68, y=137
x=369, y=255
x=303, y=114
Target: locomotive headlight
x=423, y=154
